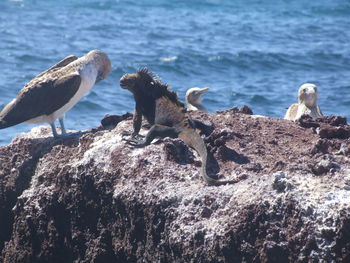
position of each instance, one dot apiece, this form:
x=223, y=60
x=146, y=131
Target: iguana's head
x=147, y=85
x=136, y=81
x=307, y=94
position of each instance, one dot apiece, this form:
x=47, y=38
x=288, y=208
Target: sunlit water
x=247, y=52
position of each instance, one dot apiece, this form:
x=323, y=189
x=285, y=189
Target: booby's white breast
x=191, y=107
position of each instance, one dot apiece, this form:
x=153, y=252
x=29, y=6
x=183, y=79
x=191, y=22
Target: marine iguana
x=167, y=115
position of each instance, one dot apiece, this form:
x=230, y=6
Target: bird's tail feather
x=3, y=124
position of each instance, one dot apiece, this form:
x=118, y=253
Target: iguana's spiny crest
x=148, y=84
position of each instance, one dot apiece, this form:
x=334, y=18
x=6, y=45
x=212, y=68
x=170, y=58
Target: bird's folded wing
x=64, y=62
x=291, y=112
x=43, y=98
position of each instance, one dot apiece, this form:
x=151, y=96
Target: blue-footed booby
x=193, y=98
x=307, y=103
x=53, y=92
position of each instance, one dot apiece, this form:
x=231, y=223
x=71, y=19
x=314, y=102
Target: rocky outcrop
x=92, y=198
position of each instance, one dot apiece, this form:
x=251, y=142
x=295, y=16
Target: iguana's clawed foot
x=126, y=133
x=138, y=143
x=130, y=133
x=136, y=140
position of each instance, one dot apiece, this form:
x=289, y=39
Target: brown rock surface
x=92, y=198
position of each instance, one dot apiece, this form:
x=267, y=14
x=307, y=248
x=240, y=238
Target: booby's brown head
x=102, y=63
x=307, y=94
x=136, y=81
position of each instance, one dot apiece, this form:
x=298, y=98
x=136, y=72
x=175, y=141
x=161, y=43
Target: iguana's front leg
x=136, y=123
x=157, y=130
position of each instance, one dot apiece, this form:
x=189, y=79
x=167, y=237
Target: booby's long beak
x=309, y=96
x=203, y=90
x=99, y=76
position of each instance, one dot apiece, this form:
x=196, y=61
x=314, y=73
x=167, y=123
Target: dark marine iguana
x=167, y=115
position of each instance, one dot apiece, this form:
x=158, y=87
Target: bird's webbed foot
x=68, y=135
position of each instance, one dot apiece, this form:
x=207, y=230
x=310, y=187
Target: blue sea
x=253, y=52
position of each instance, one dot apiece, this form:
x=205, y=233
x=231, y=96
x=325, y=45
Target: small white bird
x=53, y=92
x=307, y=103
x=193, y=98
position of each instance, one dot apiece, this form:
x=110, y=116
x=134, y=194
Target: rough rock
x=92, y=198
x=244, y=110
x=110, y=121
x=330, y=127
x=334, y=132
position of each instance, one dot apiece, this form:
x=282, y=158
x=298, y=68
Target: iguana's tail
x=195, y=141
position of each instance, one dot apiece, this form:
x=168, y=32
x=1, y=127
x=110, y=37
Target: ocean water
x=253, y=52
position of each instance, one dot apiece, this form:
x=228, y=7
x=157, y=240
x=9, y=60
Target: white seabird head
x=101, y=62
x=307, y=94
x=193, y=95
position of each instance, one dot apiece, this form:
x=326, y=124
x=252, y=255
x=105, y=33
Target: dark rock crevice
x=18, y=169
x=16, y=172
